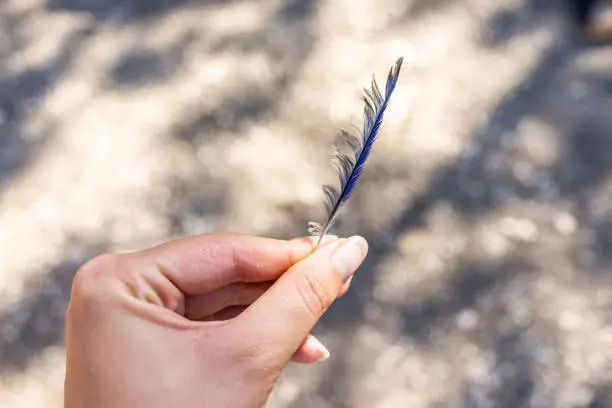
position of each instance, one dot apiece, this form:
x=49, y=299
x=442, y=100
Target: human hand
x=207, y=321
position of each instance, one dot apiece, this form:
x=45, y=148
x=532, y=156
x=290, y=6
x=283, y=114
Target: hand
x=207, y=321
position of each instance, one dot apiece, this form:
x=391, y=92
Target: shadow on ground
x=287, y=37
x=479, y=182
x=20, y=92
x=37, y=321
x=121, y=10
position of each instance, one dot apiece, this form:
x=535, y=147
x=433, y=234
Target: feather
x=349, y=167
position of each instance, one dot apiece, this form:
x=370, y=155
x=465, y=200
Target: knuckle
x=314, y=294
x=86, y=285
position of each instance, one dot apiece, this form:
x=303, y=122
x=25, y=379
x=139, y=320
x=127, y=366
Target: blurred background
x=487, y=199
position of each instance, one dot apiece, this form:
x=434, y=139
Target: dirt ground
x=487, y=200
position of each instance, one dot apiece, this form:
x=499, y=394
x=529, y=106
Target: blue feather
x=349, y=167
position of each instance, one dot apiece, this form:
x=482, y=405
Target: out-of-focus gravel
x=487, y=201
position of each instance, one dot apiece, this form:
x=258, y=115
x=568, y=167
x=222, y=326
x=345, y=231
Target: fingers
x=204, y=307
x=311, y=350
x=235, y=294
x=201, y=264
x=225, y=314
x=286, y=313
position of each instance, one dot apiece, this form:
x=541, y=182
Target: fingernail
x=348, y=256
x=323, y=351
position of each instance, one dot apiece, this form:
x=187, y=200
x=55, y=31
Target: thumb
x=281, y=319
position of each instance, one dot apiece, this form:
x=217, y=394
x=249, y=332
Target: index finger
x=200, y=264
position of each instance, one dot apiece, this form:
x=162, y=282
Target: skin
x=206, y=321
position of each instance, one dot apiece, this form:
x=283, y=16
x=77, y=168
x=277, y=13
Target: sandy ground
x=487, y=201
